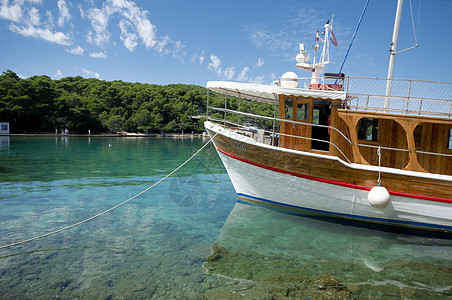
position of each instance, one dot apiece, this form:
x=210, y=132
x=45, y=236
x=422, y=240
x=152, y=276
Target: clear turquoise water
x=186, y=238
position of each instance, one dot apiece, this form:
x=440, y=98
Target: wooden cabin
x=409, y=142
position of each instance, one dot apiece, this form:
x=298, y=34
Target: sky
x=192, y=42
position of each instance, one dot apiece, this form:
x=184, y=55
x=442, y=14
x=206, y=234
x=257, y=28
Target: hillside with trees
x=40, y=104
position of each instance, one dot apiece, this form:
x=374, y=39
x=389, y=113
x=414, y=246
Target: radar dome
x=289, y=80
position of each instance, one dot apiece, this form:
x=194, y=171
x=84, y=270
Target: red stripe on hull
x=339, y=183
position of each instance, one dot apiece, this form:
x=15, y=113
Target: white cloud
x=242, y=76
x=133, y=23
x=49, y=18
x=260, y=62
x=146, y=31
x=283, y=40
x=99, y=22
x=273, y=41
x=46, y=34
x=129, y=39
x=215, y=63
x=167, y=46
x=98, y=55
x=33, y=16
x=198, y=58
x=178, y=51
x=58, y=75
x=12, y=13
x=90, y=74
x=229, y=73
x=65, y=16
x=136, y=20
x=26, y=21
x=76, y=51
x=161, y=44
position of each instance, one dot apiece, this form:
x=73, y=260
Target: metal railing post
x=239, y=108
x=408, y=98
x=207, y=107
x=225, y=106
x=274, y=121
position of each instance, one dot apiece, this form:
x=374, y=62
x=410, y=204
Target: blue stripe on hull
x=425, y=226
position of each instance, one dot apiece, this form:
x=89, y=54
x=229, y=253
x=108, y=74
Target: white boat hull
x=266, y=185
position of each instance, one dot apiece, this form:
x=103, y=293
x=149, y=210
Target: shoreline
x=134, y=135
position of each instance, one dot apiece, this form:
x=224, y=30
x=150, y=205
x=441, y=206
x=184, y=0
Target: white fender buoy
x=379, y=196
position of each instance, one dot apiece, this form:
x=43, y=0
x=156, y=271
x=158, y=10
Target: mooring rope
x=114, y=207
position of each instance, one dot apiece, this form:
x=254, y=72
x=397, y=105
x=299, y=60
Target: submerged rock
x=216, y=253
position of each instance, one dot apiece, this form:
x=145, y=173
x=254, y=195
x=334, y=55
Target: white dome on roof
x=289, y=80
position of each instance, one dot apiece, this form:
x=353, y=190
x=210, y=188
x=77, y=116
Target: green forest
x=40, y=104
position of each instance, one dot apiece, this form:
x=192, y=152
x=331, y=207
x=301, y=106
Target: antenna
x=316, y=67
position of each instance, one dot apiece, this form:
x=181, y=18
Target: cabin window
x=4, y=127
x=288, y=106
x=302, y=111
x=449, y=144
x=315, y=116
x=368, y=129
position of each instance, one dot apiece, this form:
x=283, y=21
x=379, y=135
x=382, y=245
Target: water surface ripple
x=187, y=238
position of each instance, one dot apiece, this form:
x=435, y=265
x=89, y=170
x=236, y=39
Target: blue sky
x=192, y=42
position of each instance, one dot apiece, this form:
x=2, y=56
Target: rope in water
x=114, y=207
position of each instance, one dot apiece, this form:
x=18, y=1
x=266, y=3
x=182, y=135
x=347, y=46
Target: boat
x=374, y=150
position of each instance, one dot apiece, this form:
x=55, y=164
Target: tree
x=42, y=104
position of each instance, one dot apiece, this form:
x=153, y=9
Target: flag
x=333, y=39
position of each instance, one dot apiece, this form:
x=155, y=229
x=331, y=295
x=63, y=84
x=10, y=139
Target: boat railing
x=384, y=148
x=273, y=133
x=329, y=82
x=281, y=120
x=272, y=136
x=400, y=96
x=369, y=94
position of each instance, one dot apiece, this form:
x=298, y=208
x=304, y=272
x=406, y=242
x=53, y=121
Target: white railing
x=273, y=133
x=412, y=97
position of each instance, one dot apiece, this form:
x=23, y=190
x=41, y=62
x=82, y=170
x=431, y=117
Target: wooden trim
x=333, y=170
x=380, y=115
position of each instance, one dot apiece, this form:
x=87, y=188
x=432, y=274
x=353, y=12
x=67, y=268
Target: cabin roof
x=267, y=93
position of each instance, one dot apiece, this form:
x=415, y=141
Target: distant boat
x=366, y=149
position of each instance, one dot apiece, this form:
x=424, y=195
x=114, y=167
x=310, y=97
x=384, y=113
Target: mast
x=316, y=67
x=393, y=50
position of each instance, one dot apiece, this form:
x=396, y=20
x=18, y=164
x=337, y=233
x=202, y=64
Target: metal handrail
x=433, y=153
x=282, y=120
x=411, y=96
x=384, y=148
x=289, y=135
x=317, y=125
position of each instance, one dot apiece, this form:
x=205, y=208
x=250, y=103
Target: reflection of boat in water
x=269, y=250
x=337, y=140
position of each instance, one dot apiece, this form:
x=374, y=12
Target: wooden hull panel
x=325, y=185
